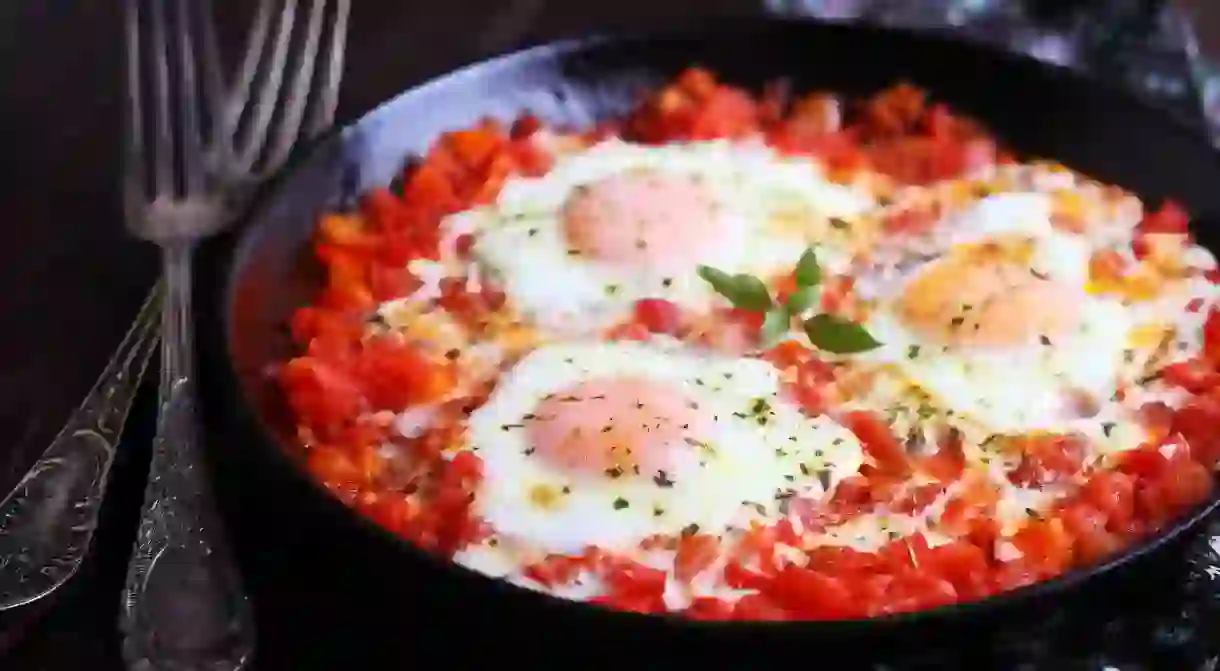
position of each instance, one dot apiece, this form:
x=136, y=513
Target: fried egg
x=606, y=444
x=1001, y=330
x=574, y=249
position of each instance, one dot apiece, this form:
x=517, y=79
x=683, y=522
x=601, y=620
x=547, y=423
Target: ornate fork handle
x=47, y=521
x=183, y=607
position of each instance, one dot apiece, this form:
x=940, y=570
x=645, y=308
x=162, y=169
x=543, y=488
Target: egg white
x=1021, y=388
x=735, y=480
x=520, y=239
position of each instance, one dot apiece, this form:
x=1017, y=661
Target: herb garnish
x=838, y=335
x=745, y=292
x=825, y=331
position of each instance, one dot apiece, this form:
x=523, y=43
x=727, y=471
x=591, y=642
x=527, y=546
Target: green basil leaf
x=775, y=326
x=745, y=292
x=751, y=295
x=802, y=299
x=808, y=272
x=722, y=282
x=838, y=335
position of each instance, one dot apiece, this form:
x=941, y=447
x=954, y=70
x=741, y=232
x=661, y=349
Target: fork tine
x=257, y=40
x=188, y=107
x=323, y=114
x=213, y=84
x=264, y=104
x=163, y=150
x=298, y=92
x=134, y=170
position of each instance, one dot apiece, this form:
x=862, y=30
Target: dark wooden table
x=70, y=281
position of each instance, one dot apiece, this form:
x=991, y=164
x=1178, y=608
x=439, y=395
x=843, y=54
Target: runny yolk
x=642, y=218
x=612, y=427
x=973, y=300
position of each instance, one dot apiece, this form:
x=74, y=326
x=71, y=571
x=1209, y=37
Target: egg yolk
x=643, y=219
x=988, y=301
x=612, y=427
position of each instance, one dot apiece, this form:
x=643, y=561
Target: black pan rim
x=699, y=30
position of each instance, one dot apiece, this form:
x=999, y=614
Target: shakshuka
x=759, y=357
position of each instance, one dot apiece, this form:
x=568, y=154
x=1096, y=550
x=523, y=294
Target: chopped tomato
x=963, y=564
x=1088, y=526
x=815, y=400
x=1047, y=458
x=337, y=331
x=1176, y=486
x=389, y=282
x=394, y=512
x=382, y=209
x=336, y=467
x=837, y=294
x=694, y=107
x=1169, y=218
x=1015, y=574
x=396, y=375
x=347, y=283
x=1046, y=546
x=658, y=315
x=1197, y=422
x=346, y=230
x=1211, y=336
x=918, y=499
x=1157, y=419
x=911, y=221
x=918, y=590
x=1140, y=247
x=1185, y=484
x=835, y=560
x=840, y=151
x=1112, y=494
x=920, y=160
x=321, y=395
x=757, y=607
x=739, y=577
x=1143, y=463
x=709, y=608
x=811, y=594
x=1196, y=376
x=946, y=463
x=787, y=354
x=633, y=330
x=894, y=111
x=696, y=552
x=969, y=520
x=879, y=442
x=555, y=570
x=524, y=126
x=628, y=579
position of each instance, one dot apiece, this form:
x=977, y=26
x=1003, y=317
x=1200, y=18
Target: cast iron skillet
x=262, y=272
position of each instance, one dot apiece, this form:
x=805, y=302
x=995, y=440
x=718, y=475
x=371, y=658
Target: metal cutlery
x=47, y=521
x=183, y=606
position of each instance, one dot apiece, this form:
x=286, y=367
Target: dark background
x=70, y=281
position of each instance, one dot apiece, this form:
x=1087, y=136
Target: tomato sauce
x=342, y=379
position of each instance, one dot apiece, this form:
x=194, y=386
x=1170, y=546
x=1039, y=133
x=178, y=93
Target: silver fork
x=183, y=605
x=48, y=519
